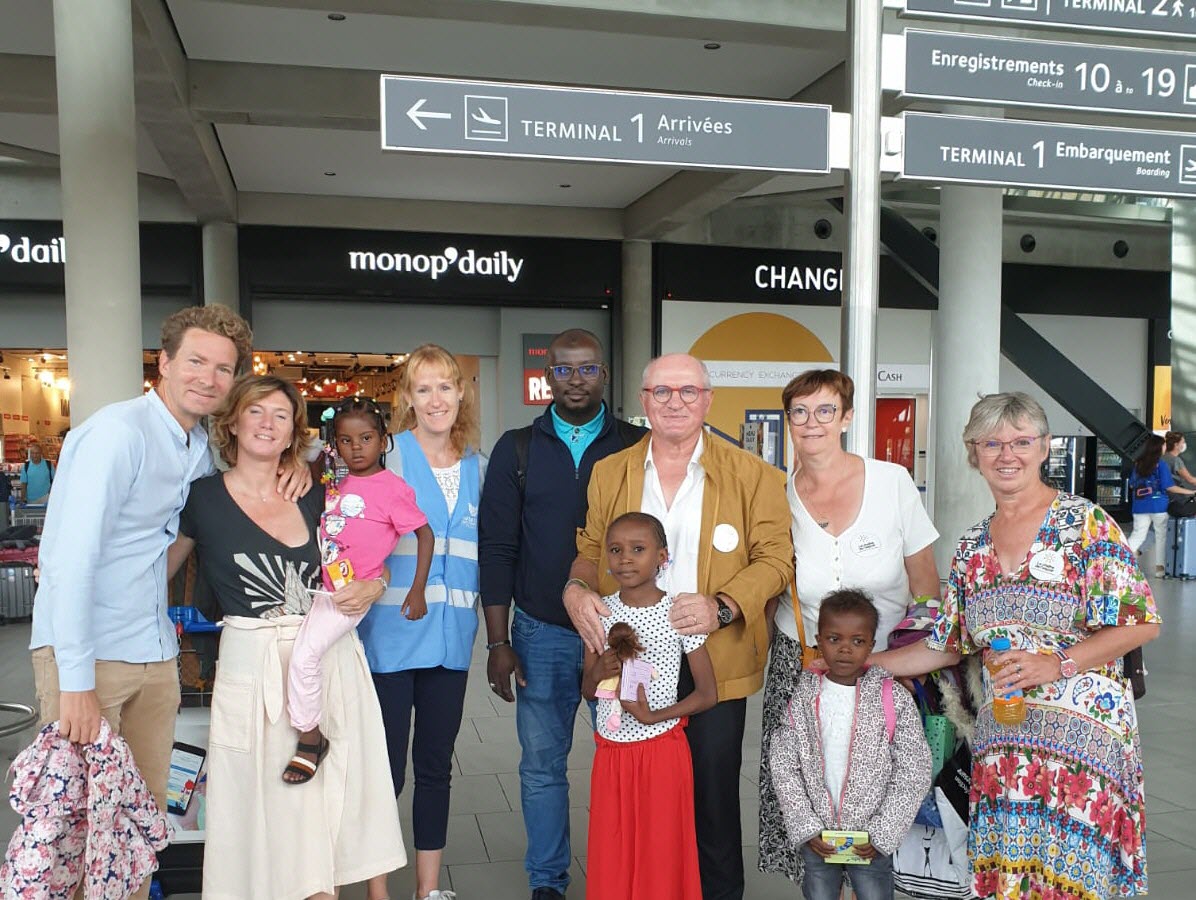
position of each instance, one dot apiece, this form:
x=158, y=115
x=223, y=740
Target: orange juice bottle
x=1008, y=709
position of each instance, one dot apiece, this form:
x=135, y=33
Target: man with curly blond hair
x=103, y=645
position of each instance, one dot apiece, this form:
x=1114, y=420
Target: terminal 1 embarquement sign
x=1173, y=18
x=946, y=65
x=483, y=118
x=1013, y=152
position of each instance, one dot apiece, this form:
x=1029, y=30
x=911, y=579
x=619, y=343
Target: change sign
x=485, y=118
x=1174, y=18
x=946, y=65
x=1047, y=155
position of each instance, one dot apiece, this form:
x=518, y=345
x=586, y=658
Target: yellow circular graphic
x=754, y=337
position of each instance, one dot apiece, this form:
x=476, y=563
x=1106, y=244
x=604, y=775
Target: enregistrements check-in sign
x=1173, y=18
x=481, y=118
x=947, y=65
x=1013, y=152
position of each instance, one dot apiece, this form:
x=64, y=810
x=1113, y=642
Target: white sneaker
x=436, y=895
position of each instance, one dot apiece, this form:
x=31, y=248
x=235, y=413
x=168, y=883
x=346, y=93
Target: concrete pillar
x=966, y=354
x=637, y=322
x=221, y=274
x=93, y=42
x=1183, y=317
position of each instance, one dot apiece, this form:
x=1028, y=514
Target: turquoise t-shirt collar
x=578, y=437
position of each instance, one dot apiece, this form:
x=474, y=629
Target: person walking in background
x=420, y=665
x=1051, y=574
x=1150, y=484
x=533, y=503
x=1173, y=457
x=37, y=474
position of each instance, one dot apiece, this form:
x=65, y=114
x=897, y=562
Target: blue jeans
x=824, y=881
x=552, y=658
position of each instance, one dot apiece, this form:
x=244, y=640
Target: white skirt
x=266, y=838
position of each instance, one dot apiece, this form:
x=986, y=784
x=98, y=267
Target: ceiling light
x=712, y=45
x=336, y=17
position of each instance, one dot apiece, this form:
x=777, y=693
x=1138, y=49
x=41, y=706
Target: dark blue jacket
x=527, y=540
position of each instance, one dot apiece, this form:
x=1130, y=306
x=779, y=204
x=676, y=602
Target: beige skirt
x=266, y=838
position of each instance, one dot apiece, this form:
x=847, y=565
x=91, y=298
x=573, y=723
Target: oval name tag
x=1047, y=565
x=865, y=544
x=725, y=538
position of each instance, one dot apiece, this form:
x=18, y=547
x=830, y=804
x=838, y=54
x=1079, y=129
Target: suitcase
x=17, y=588
x=1179, y=553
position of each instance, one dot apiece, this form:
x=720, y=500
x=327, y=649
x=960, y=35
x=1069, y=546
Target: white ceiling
x=41, y=133
x=294, y=160
x=234, y=32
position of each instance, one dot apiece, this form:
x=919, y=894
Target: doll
x=623, y=640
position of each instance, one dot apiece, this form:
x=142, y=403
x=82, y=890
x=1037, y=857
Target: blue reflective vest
x=444, y=637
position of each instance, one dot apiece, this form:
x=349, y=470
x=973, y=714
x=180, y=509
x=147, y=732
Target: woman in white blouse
x=857, y=523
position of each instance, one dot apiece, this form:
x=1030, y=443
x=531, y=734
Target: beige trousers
x=140, y=702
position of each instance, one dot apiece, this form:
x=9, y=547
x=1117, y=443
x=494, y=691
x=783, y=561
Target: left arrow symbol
x=416, y=114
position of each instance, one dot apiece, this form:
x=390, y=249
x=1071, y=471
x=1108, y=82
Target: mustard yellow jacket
x=740, y=490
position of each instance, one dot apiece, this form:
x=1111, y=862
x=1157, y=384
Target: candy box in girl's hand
x=844, y=842
x=635, y=673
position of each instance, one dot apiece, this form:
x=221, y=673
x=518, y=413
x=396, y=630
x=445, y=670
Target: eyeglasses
x=662, y=393
x=1021, y=446
x=823, y=413
x=589, y=371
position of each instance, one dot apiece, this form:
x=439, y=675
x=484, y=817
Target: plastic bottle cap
x=1000, y=644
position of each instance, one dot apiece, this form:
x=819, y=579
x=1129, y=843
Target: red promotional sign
x=536, y=391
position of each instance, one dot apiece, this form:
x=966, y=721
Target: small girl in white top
x=642, y=841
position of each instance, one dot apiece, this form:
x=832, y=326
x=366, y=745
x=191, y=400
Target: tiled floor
x=483, y=860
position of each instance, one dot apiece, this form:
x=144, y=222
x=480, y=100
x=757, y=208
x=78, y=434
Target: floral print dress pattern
x=1057, y=803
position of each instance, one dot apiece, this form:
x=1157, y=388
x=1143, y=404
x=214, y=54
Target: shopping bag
x=940, y=731
x=932, y=864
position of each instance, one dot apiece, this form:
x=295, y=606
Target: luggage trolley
x=180, y=864
x=24, y=514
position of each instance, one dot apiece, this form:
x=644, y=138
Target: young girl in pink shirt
x=365, y=514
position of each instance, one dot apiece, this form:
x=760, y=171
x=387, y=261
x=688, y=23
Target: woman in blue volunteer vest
x=420, y=662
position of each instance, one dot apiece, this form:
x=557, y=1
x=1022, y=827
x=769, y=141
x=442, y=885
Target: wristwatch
x=1067, y=665
x=725, y=614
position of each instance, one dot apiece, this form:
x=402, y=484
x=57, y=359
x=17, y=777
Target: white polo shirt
x=682, y=521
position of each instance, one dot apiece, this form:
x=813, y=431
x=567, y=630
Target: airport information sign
x=1013, y=152
x=946, y=65
x=1173, y=18
x=483, y=118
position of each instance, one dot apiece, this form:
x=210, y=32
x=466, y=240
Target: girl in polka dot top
x=642, y=841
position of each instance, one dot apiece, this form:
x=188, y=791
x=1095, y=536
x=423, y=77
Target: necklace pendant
x=825, y=523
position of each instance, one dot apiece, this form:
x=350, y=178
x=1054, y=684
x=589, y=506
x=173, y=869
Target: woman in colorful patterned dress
x=1057, y=804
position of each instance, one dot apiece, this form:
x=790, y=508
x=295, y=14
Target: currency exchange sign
x=946, y=65
x=485, y=118
x=1013, y=152
x=1174, y=18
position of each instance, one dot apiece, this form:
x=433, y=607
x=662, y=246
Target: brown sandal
x=305, y=768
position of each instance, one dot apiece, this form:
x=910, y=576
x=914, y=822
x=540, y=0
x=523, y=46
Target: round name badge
x=726, y=538
x=865, y=544
x=1047, y=565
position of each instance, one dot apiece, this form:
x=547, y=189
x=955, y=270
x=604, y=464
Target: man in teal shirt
x=37, y=475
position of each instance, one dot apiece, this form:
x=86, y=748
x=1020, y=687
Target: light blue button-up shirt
x=122, y=480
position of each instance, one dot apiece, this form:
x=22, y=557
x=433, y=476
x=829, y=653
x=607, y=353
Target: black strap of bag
x=523, y=441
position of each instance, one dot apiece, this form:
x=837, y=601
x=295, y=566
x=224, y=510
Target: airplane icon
x=1187, y=162
x=485, y=118
x=480, y=115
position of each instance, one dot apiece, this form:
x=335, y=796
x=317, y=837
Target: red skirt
x=642, y=843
